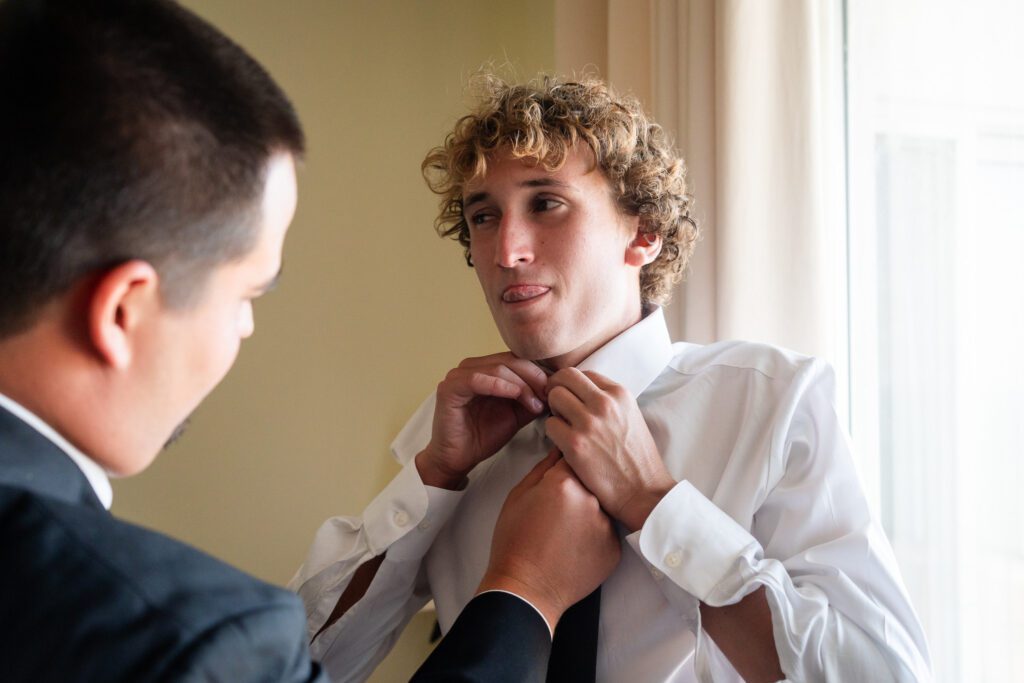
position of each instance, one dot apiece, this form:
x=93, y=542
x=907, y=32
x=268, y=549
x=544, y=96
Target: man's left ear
x=644, y=248
x=119, y=306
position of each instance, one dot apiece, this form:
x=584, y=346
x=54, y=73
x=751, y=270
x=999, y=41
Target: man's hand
x=598, y=427
x=552, y=545
x=481, y=404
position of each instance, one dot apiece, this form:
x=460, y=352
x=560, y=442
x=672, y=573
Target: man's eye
x=480, y=218
x=541, y=204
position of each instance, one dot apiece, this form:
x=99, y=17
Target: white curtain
x=752, y=93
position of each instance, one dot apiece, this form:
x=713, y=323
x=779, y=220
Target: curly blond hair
x=543, y=121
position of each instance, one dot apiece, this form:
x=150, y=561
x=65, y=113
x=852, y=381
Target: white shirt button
x=674, y=559
x=401, y=518
x=656, y=574
x=424, y=525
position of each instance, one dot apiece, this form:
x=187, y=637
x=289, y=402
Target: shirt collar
x=95, y=475
x=633, y=359
x=636, y=356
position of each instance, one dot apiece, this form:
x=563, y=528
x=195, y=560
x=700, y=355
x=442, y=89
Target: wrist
x=432, y=473
x=636, y=510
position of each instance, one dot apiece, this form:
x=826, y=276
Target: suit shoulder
x=150, y=597
x=265, y=644
x=164, y=571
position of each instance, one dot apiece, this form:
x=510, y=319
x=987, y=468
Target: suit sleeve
x=498, y=638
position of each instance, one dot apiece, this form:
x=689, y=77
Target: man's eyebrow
x=474, y=198
x=477, y=197
x=544, y=182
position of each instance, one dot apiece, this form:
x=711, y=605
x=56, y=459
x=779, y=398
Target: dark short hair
x=129, y=129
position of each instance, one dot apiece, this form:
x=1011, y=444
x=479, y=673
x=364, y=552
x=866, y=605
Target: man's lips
x=517, y=293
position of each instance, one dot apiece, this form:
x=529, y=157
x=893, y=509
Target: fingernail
x=536, y=405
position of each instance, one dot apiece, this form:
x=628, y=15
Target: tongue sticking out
x=522, y=293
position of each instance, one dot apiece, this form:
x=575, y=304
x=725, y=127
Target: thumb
x=537, y=473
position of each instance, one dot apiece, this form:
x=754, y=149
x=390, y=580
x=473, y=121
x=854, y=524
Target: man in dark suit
x=147, y=183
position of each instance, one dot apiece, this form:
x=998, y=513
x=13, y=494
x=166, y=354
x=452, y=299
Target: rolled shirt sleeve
x=839, y=609
x=402, y=521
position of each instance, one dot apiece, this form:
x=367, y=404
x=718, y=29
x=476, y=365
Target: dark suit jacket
x=498, y=638
x=86, y=597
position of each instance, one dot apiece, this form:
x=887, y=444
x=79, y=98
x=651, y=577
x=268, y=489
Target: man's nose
x=515, y=242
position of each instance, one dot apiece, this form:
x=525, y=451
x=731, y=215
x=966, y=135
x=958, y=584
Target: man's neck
x=44, y=378
x=581, y=353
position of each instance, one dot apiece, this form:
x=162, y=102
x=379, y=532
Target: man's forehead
x=535, y=172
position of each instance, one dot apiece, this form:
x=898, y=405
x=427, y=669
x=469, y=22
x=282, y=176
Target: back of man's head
x=129, y=129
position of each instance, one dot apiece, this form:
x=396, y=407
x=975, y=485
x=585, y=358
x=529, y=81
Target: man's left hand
x=598, y=426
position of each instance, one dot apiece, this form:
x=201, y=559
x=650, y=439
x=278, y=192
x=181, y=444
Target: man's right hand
x=552, y=545
x=480, y=405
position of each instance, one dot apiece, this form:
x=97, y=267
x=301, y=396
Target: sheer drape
x=752, y=93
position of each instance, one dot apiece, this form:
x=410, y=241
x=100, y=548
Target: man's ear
x=124, y=297
x=644, y=248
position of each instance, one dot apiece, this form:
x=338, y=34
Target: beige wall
x=373, y=307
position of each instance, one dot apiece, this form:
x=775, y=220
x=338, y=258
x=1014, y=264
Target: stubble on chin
x=178, y=432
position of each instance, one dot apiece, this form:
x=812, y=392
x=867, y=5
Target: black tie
x=574, y=649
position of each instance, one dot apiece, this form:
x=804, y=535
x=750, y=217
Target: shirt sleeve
x=402, y=521
x=839, y=608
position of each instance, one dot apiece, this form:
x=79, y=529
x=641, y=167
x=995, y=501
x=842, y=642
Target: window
x=936, y=254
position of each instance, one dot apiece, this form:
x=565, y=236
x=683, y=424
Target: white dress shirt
x=767, y=496
x=97, y=477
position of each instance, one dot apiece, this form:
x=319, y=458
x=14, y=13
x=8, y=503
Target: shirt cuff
x=699, y=547
x=405, y=518
x=551, y=631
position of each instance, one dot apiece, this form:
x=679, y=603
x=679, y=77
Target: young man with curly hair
x=748, y=547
